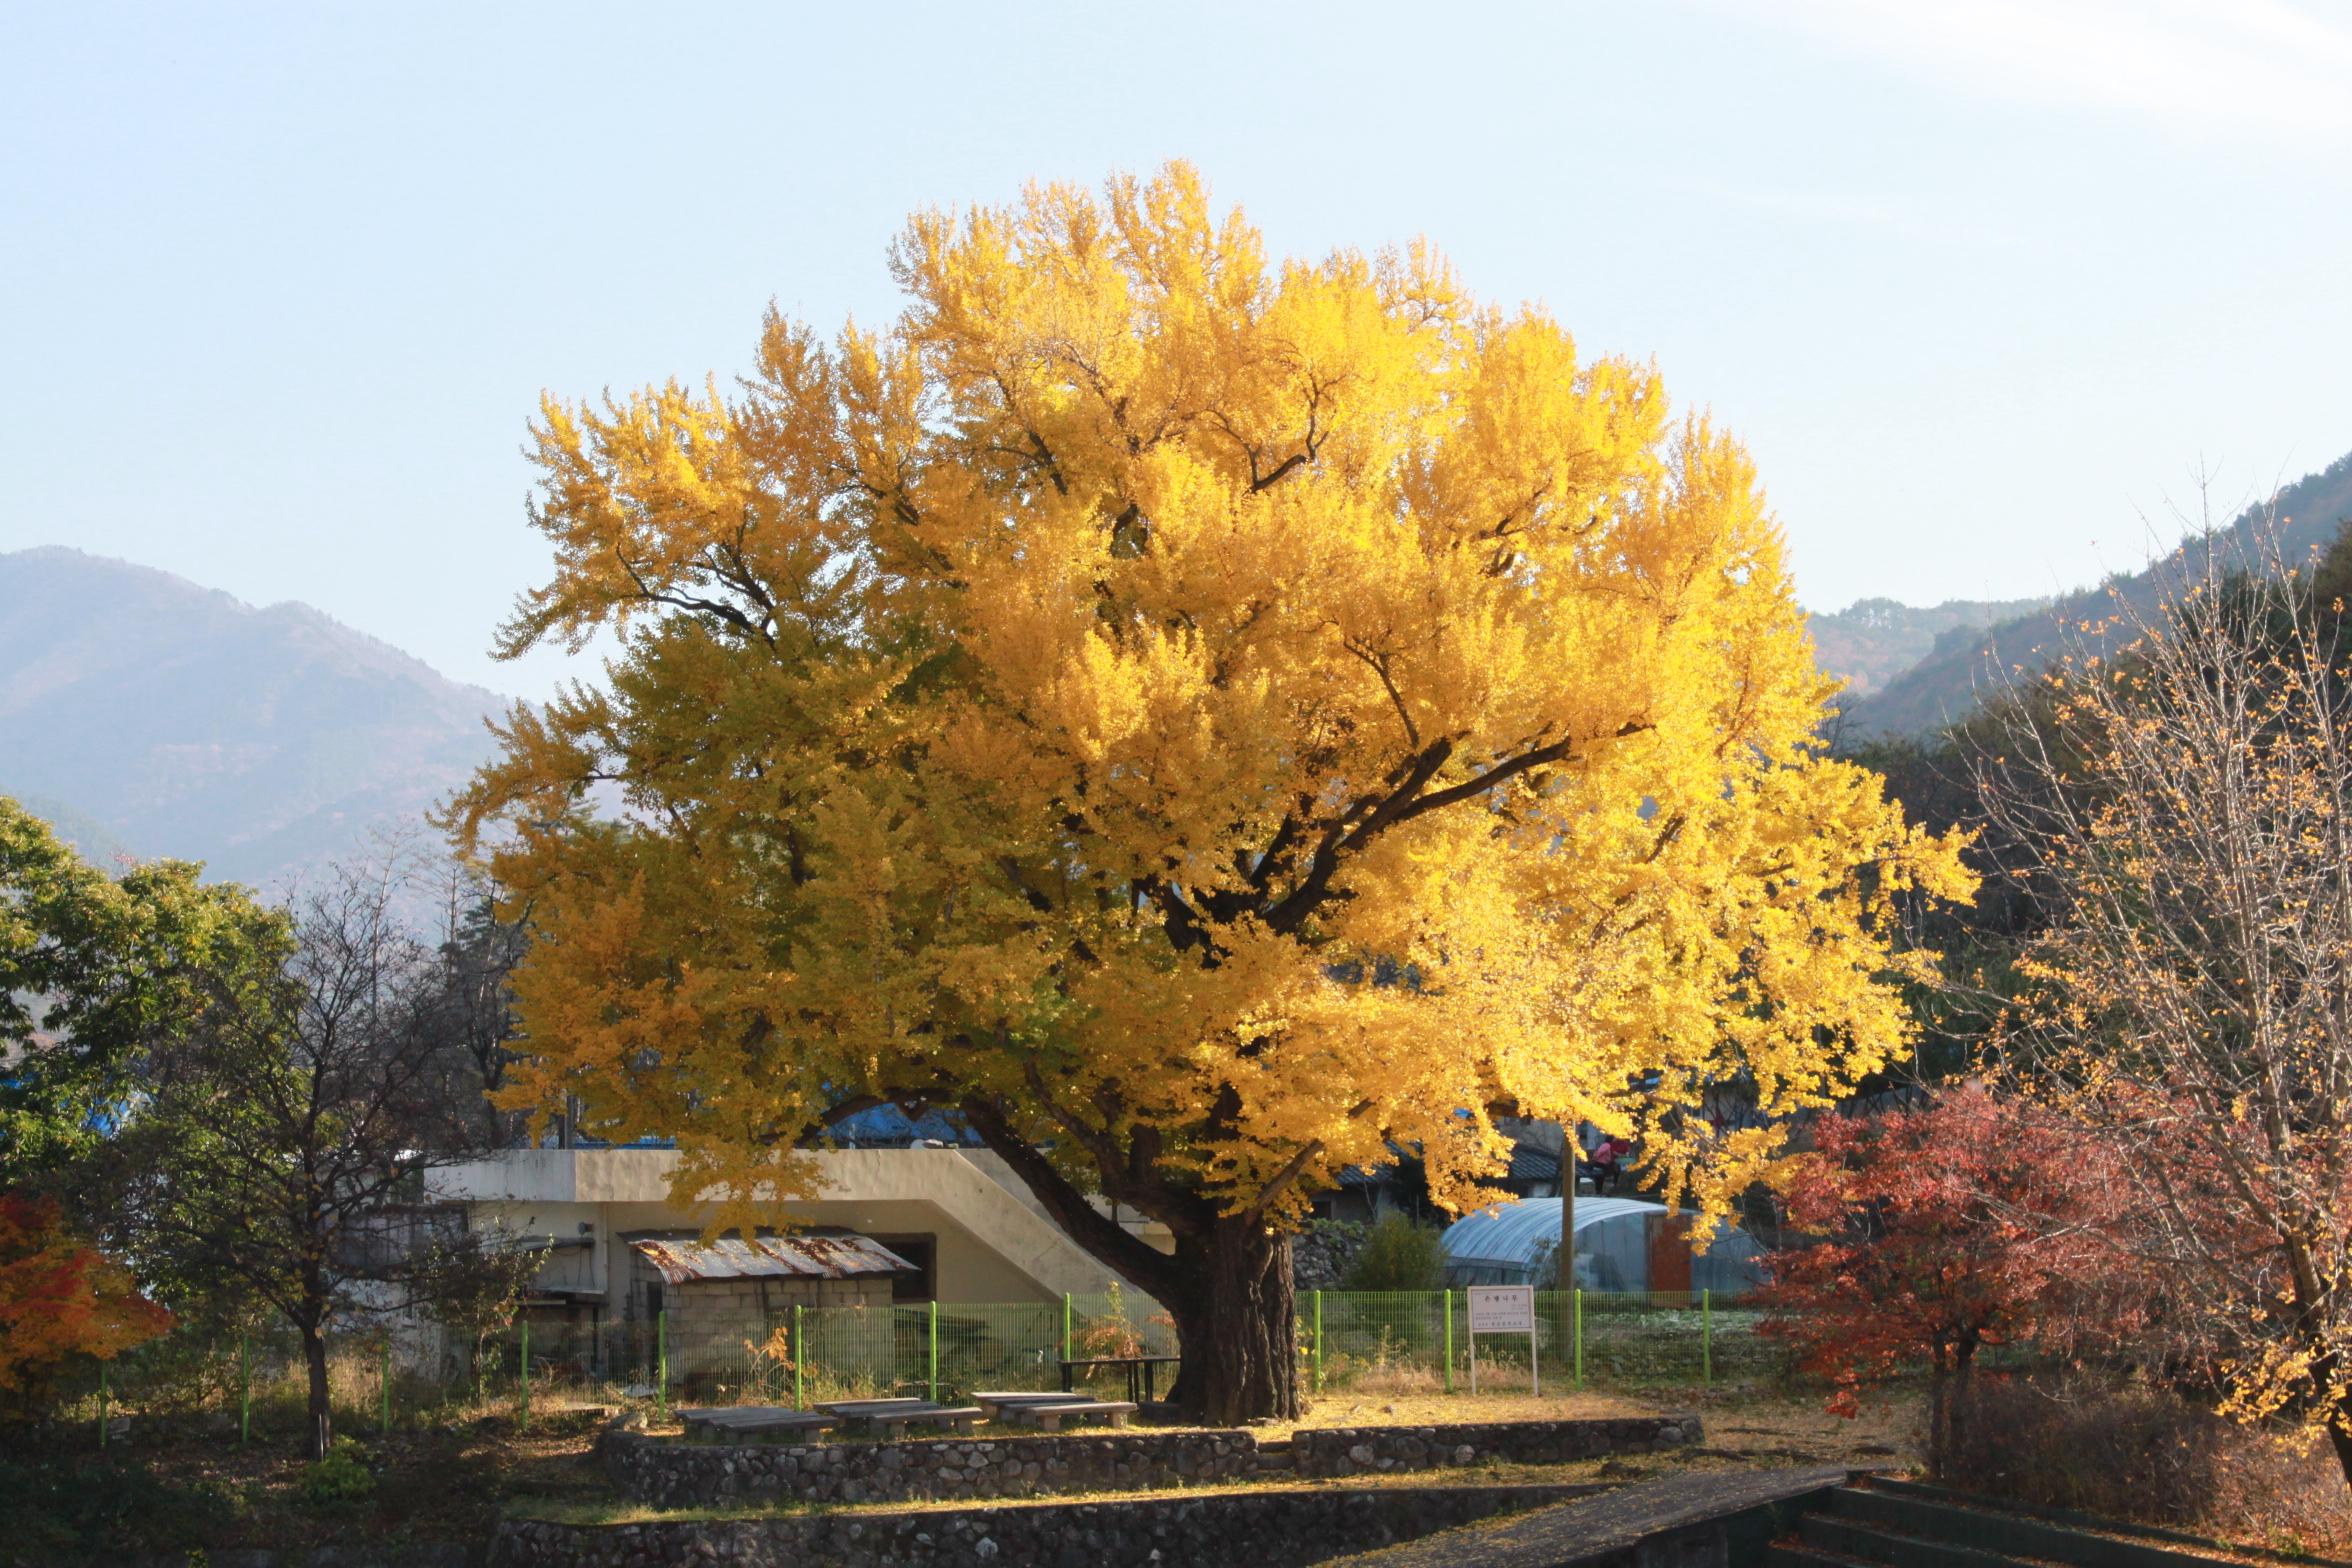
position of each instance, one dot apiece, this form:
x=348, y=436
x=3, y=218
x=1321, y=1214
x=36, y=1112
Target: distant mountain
x=1942, y=686
x=146, y=715
x=1871, y=641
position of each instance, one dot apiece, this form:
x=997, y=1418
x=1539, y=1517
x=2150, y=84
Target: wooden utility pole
x=1564, y=1303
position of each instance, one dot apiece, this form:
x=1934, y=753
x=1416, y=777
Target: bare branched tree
x=478, y=951
x=279, y=1142
x=2175, y=790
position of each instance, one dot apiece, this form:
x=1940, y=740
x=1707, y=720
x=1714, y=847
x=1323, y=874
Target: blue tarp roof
x=883, y=1126
x=888, y=1124
x=1528, y=1163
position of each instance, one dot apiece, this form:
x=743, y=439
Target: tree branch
x=1146, y=1267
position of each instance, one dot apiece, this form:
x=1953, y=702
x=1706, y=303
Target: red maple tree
x=1967, y=1222
x=60, y=1298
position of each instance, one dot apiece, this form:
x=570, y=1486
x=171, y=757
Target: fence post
x=1065, y=1325
x=1576, y=1318
x=1707, y=1338
x=526, y=1358
x=799, y=1355
x=1318, y=1342
x=244, y=1390
x=935, y=1351
x=384, y=1422
x=1449, y=1339
x=661, y=1362
x=102, y=1392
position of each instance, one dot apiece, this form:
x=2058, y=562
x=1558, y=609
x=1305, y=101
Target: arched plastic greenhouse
x=1622, y=1244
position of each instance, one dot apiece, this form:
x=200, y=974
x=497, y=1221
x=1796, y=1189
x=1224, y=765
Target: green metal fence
x=1405, y=1342
x=1583, y=1339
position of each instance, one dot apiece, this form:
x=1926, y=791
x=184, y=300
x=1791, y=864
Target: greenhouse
x=1622, y=1244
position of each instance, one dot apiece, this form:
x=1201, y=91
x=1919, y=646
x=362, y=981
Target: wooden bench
x=1049, y=1418
x=750, y=1423
x=892, y=1417
x=859, y=1409
x=997, y=1403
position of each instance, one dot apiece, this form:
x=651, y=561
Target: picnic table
x=719, y=1423
x=1142, y=1371
x=892, y=1417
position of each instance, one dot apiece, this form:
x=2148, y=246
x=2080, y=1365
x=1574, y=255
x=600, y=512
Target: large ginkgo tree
x=1207, y=722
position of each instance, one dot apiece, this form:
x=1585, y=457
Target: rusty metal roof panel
x=836, y=1256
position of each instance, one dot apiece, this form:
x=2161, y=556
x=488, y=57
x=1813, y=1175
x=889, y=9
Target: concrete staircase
x=985, y=1201
x=1883, y=1521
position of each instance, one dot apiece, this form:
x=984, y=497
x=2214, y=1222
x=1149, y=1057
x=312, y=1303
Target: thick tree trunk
x=1236, y=1324
x=2341, y=1441
x=1938, y=1392
x=1228, y=1285
x=314, y=1356
x=1957, y=1401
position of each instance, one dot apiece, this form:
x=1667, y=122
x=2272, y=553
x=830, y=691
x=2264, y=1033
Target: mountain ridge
x=1873, y=640
x=1941, y=687
x=178, y=720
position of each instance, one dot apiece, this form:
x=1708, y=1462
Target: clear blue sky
x=1981, y=283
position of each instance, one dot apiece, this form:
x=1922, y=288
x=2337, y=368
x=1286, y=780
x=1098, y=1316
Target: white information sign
x=1503, y=1309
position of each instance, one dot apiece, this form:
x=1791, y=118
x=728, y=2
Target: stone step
x=1844, y=1538
x=2072, y=1520
x=1953, y=1523
x=1789, y=1554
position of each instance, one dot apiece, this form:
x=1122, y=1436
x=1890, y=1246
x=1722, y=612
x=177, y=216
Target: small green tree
x=1399, y=1254
x=94, y=971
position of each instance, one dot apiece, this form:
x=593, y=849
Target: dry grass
x=1365, y=1407
x=441, y=1482
x=2125, y=1450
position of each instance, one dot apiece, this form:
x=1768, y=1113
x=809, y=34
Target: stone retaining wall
x=1341, y=1450
x=668, y=1474
x=1215, y=1530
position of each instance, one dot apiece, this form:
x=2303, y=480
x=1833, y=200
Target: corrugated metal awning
x=1529, y=1163
x=835, y=1256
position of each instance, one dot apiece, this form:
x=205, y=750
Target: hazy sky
x=1981, y=282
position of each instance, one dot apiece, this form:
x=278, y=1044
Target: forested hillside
x=1942, y=686
x=1871, y=641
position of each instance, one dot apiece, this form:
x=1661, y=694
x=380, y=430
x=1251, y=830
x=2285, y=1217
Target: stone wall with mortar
x=1212, y=1530
x=669, y=1474
x=665, y=1473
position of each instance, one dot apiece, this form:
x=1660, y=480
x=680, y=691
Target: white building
x=965, y=1228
